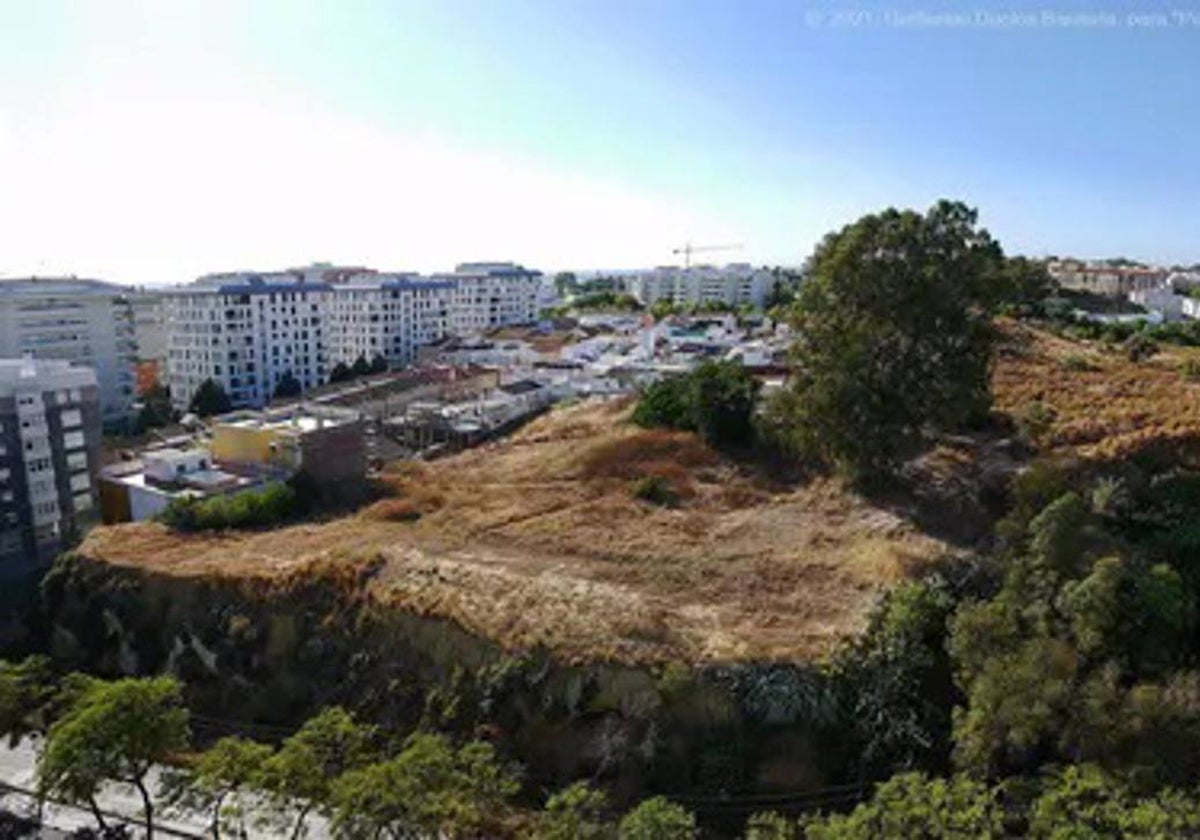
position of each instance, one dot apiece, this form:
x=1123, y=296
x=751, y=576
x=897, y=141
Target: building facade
x=1105, y=279
x=737, y=284
x=491, y=295
x=247, y=332
x=387, y=315
x=85, y=322
x=50, y=428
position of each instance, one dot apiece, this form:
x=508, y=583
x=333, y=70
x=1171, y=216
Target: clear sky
x=148, y=142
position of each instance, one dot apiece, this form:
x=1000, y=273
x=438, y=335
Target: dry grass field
x=538, y=540
x=1103, y=406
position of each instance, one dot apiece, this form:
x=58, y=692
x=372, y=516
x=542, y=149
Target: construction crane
x=688, y=249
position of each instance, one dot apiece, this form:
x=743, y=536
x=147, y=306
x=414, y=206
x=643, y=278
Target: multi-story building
x=246, y=332
x=1104, y=278
x=85, y=322
x=50, y=426
x=737, y=284
x=386, y=315
x=490, y=295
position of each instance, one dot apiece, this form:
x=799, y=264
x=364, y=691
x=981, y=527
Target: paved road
x=17, y=770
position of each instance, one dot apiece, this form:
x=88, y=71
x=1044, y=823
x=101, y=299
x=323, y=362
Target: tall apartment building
x=50, y=427
x=85, y=322
x=490, y=295
x=387, y=315
x=246, y=332
x=736, y=284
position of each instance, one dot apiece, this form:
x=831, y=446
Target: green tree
x=26, y=691
x=575, y=813
x=429, y=789
x=894, y=340
x=300, y=775
x=666, y=403
x=379, y=364
x=361, y=366
x=726, y=397
x=114, y=731
x=216, y=779
x=913, y=805
x=288, y=386
x=717, y=399
x=769, y=825
x=657, y=819
x=209, y=399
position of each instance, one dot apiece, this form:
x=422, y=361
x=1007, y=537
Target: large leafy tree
x=299, y=777
x=216, y=779
x=717, y=399
x=114, y=731
x=429, y=789
x=894, y=336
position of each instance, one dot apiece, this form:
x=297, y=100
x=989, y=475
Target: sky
x=151, y=142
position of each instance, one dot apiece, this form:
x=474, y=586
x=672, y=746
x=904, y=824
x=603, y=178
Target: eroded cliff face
x=268, y=652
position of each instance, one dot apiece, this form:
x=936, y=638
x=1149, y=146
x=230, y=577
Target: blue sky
x=149, y=142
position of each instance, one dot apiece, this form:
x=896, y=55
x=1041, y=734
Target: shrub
x=255, y=508
x=1139, y=347
x=656, y=490
x=1077, y=363
x=396, y=510
x=1034, y=422
x=717, y=399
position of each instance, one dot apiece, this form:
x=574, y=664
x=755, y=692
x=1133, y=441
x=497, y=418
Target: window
x=73, y=440
x=81, y=481
x=77, y=461
x=82, y=502
x=71, y=418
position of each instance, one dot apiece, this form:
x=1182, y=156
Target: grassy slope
x=537, y=541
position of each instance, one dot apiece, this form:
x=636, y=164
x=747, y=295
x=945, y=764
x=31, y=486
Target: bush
x=717, y=399
x=656, y=490
x=1139, y=347
x=272, y=504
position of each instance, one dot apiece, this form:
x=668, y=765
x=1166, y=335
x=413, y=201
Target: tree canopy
x=894, y=337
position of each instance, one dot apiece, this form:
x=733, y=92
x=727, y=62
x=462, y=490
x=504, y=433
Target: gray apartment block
x=50, y=428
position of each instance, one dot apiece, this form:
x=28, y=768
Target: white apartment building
x=85, y=322
x=1105, y=279
x=736, y=284
x=491, y=294
x=386, y=315
x=246, y=332
x=49, y=454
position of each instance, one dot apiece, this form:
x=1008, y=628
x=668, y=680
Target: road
x=17, y=770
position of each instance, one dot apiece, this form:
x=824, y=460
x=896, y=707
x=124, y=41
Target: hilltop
x=537, y=540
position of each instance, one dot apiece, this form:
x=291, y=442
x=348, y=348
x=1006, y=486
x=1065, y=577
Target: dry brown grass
x=537, y=540
x=1110, y=408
